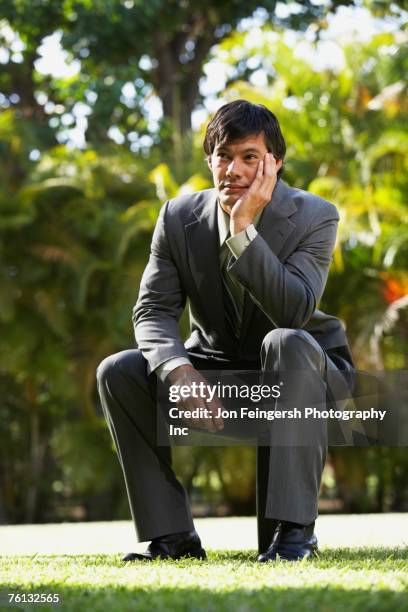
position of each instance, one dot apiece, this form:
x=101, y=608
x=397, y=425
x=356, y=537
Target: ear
x=279, y=164
x=209, y=162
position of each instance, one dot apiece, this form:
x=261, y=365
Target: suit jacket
x=284, y=270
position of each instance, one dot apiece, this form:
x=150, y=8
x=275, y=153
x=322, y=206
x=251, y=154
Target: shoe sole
x=199, y=554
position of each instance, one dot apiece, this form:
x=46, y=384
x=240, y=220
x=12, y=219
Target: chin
x=227, y=204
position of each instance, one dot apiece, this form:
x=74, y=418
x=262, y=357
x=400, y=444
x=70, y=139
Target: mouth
x=233, y=187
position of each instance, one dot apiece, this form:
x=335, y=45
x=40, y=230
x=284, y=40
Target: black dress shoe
x=173, y=546
x=291, y=543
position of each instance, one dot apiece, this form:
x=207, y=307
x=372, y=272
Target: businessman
x=252, y=256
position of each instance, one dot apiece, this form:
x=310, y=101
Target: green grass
x=340, y=580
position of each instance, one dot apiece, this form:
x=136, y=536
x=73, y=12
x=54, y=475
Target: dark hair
x=239, y=119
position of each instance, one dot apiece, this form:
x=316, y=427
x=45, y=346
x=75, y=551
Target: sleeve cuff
x=164, y=369
x=238, y=243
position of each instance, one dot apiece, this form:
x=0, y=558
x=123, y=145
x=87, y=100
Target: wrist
x=178, y=372
x=239, y=224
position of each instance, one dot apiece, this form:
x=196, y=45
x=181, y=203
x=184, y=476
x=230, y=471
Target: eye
x=251, y=156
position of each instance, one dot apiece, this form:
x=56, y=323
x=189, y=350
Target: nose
x=233, y=168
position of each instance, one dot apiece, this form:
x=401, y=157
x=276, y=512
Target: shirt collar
x=223, y=224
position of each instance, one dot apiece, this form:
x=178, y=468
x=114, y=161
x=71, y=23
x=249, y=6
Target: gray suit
x=284, y=270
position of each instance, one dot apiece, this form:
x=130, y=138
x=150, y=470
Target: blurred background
x=103, y=109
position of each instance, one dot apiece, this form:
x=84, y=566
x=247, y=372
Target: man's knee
x=289, y=344
x=285, y=337
x=116, y=365
x=106, y=369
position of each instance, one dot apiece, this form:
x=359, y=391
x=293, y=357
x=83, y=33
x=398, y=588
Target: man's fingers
x=202, y=406
x=270, y=165
x=265, y=175
x=209, y=423
x=267, y=184
x=216, y=407
x=213, y=423
x=259, y=173
x=257, y=182
x=218, y=423
x=191, y=405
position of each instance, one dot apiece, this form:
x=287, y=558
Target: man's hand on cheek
x=257, y=196
x=184, y=377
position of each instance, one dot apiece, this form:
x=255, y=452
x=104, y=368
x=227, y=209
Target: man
x=252, y=256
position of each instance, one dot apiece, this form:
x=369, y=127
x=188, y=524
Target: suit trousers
x=158, y=501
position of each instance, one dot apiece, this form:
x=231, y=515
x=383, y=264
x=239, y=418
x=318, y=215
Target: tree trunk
x=36, y=456
x=177, y=85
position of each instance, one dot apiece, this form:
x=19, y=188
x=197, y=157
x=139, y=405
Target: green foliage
x=72, y=258
x=157, y=48
x=219, y=478
x=74, y=239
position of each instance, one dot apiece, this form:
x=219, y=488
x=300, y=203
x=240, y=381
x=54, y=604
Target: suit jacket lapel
x=203, y=253
x=275, y=227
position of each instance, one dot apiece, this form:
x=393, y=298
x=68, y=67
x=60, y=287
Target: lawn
x=341, y=579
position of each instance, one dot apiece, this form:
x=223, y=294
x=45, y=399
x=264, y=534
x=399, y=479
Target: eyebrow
x=249, y=150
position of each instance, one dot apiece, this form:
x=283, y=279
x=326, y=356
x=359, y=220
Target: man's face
x=234, y=166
